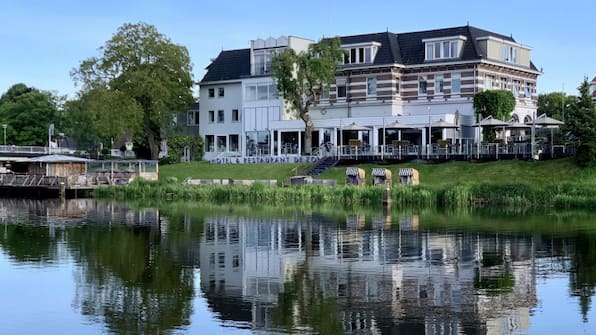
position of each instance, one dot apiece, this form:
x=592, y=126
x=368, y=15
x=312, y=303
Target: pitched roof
x=402, y=48
x=229, y=65
x=388, y=53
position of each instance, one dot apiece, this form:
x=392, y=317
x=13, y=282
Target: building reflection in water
x=382, y=278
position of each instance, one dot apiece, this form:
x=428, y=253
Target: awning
x=406, y=172
x=352, y=171
x=379, y=172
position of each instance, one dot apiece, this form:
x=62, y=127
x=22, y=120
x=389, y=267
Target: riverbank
x=558, y=184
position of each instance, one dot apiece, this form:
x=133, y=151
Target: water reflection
x=126, y=278
x=308, y=273
x=142, y=271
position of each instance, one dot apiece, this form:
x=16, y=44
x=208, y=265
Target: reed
x=482, y=194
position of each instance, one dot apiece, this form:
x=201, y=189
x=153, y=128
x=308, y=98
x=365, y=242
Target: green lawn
x=506, y=171
x=205, y=170
x=540, y=172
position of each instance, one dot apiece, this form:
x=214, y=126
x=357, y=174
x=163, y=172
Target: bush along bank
x=565, y=195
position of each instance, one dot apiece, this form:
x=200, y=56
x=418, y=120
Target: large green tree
x=28, y=112
x=149, y=74
x=555, y=104
x=581, y=125
x=302, y=76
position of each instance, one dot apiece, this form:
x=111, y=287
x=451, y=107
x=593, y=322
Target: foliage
x=302, y=76
x=498, y=103
x=555, y=104
x=106, y=116
x=177, y=144
x=144, y=69
x=28, y=113
x=581, y=124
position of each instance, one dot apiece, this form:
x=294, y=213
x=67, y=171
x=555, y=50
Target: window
x=455, y=83
x=489, y=82
x=516, y=87
x=509, y=54
x=341, y=91
x=442, y=49
x=262, y=60
x=234, y=142
x=371, y=86
x=211, y=116
x=360, y=54
x=210, y=143
x=528, y=90
x=235, y=261
x=325, y=92
x=235, y=115
x=421, y=85
x=221, y=259
x=192, y=118
x=220, y=92
x=439, y=85
x=221, y=145
x=503, y=83
x=174, y=119
x=273, y=91
x=262, y=91
x=211, y=92
x=220, y=116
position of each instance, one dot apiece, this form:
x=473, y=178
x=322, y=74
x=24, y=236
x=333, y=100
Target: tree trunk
x=308, y=139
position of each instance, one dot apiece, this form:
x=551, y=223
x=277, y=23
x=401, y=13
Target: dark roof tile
x=229, y=65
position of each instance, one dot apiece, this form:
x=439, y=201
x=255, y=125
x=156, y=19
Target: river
x=90, y=267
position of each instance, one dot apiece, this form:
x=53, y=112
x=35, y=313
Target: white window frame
x=236, y=117
x=439, y=85
x=421, y=88
x=211, y=116
x=221, y=116
x=455, y=78
x=371, y=86
x=443, y=48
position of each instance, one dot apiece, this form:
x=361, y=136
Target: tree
x=100, y=116
x=581, y=125
x=28, y=112
x=148, y=73
x=302, y=76
x=498, y=103
x=555, y=104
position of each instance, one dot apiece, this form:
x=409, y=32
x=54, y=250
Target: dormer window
x=509, y=54
x=443, y=48
x=362, y=53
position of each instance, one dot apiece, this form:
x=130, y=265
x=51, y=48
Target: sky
x=42, y=41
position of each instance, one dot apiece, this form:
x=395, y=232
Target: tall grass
x=481, y=194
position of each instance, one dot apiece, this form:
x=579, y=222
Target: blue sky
x=42, y=41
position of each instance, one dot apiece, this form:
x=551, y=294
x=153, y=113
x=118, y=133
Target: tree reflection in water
x=128, y=278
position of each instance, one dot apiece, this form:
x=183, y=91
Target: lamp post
x=4, y=126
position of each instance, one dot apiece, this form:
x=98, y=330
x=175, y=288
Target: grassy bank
x=451, y=173
x=556, y=183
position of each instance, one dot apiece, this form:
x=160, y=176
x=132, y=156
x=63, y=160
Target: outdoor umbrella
x=491, y=122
